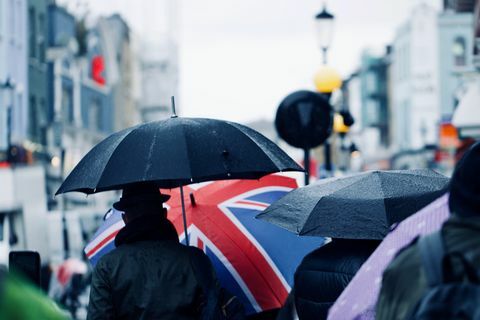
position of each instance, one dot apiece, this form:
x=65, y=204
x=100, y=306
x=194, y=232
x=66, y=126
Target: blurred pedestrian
x=322, y=276
x=454, y=251
x=150, y=275
x=21, y=300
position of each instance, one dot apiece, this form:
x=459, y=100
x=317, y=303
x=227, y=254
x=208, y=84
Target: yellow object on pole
x=338, y=124
x=327, y=79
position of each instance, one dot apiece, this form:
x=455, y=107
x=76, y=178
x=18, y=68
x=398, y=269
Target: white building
x=456, y=58
x=159, y=78
x=415, y=80
x=432, y=55
x=159, y=59
x=13, y=67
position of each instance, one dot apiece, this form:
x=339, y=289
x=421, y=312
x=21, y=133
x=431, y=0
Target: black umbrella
x=176, y=152
x=360, y=206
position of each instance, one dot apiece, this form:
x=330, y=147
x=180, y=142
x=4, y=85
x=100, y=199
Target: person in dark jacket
x=323, y=274
x=150, y=275
x=404, y=281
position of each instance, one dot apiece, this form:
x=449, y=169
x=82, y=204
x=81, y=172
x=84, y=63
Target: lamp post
x=324, y=80
x=9, y=85
x=324, y=22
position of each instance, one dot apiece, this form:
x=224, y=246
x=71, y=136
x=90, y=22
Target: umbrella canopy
x=176, y=152
x=359, y=298
x=360, y=206
x=253, y=259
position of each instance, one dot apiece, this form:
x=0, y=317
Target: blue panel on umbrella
x=228, y=281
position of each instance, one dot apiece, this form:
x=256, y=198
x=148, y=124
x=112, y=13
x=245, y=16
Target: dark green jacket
x=150, y=275
x=404, y=282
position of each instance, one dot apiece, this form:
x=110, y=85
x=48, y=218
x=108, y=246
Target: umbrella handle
x=184, y=216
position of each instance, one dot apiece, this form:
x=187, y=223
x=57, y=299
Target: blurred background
x=74, y=71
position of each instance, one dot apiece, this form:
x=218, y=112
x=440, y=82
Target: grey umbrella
x=359, y=206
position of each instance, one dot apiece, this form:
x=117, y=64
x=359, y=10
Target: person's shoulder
x=111, y=257
x=195, y=255
x=192, y=251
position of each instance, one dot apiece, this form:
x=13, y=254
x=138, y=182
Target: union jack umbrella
x=253, y=259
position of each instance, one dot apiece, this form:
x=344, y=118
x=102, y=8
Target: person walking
x=406, y=282
x=150, y=275
x=322, y=275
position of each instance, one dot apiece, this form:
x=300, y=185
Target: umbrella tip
x=174, y=114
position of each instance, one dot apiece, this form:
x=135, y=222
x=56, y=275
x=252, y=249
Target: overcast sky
x=239, y=58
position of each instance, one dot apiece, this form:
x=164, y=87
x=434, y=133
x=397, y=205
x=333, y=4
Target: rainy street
x=180, y=159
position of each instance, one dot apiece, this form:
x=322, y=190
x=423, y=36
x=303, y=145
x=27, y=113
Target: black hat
x=465, y=184
x=140, y=194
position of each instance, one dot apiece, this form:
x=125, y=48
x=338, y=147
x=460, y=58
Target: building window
x=19, y=28
x=32, y=29
x=67, y=105
x=42, y=121
x=41, y=37
x=94, y=115
x=459, y=52
x=12, y=20
x=33, y=119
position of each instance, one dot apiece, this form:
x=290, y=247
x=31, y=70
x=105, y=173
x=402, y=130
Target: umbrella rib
x=267, y=152
x=113, y=153
x=187, y=150
x=384, y=197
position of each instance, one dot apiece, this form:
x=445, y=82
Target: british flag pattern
x=253, y=259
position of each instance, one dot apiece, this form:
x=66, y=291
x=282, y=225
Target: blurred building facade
x=13, y=73
x=66, y=82
x=79, y=114
x=159, y=76
x=38, y=101
x=415, y=80
x=403, y=101
x=366, y=94
x=455, y=57
x=158, y=56
x=466, y=117
x=119, y=69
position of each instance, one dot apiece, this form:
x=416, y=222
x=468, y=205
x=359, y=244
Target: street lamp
x=324, y=22
x=9, y=85
x=326, y=80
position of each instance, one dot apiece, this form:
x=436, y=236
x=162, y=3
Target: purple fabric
x=359, y=298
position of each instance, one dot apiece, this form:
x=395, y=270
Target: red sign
x=98, y=67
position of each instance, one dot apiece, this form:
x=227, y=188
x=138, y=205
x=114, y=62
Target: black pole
x=324, y=55
x=9, y=128
x=174, y=112
x=328, y=158
x=184, y=216
x=66, y=243
x=306, y=162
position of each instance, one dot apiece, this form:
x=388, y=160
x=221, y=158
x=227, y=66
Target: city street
x=176, y=159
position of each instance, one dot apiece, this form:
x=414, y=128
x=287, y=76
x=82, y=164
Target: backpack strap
x=432, y=252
